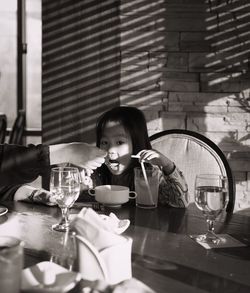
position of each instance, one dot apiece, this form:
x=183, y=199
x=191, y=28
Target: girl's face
x=118, y=144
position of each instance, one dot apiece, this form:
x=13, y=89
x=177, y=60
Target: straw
x=146, y=181
x=135, y=156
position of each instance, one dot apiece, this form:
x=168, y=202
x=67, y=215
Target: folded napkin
x=101, y=244
x=102, y=231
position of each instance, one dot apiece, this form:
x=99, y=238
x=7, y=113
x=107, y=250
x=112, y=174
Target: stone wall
x=185, y=63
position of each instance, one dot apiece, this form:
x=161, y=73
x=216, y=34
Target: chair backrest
x=193, y=153
x=3, y=127
x=16, y=135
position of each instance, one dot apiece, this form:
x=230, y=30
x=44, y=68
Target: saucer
x=112, y=205
x=62, y=279
x=118, y=226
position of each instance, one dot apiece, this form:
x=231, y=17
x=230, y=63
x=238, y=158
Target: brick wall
x=185, y=63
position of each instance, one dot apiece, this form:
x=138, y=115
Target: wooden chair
x=16, y=134
x=3, y=127
x=194, y=153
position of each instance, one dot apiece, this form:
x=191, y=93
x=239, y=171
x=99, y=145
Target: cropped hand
x=86, y=156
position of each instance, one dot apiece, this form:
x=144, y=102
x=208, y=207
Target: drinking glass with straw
x=147, y=190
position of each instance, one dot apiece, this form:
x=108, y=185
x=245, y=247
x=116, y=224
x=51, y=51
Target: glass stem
x=211, y=236
x=65, y=216
x=210, y=226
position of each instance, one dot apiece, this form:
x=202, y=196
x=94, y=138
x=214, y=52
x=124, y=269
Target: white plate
x=112, y=205
x=3, y=210
x=63, y=280
x=119, y=226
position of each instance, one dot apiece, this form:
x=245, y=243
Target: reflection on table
x=164, y=256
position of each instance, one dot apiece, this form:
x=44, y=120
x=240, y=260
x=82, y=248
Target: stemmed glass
x=65, y=187
x=211, y=196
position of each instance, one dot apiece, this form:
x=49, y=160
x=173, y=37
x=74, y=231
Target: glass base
x=61, y=227
x=146, y=206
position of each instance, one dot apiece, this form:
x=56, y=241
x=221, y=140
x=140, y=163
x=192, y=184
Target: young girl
x=122, y=132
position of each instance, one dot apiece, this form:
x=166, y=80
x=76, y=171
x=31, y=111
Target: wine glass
x=211, y=196
x=65, y=188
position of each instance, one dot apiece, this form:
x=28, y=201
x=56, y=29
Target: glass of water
x=65, y=188
x=11, y=264
x=211, y=197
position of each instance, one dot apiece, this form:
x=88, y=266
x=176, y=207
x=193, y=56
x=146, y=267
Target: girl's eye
x=120, y=142
x=103, y=143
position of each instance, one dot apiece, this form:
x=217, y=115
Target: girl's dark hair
x=134, y=122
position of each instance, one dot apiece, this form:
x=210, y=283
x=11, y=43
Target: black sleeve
x=22, y=164
x=7, y=192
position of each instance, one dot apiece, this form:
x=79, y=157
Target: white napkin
x=102, y=231
x=107, y=248
x=226, y=240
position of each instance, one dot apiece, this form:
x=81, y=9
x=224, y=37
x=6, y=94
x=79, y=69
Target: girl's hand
x=156, y=158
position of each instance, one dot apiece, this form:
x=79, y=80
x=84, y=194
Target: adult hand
x=30, y=194
x=80, y=154
x=42, y=196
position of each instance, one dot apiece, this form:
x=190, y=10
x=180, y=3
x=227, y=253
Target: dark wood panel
x=80, y=67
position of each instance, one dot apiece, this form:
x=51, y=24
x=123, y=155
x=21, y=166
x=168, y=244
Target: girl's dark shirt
x=103, y=176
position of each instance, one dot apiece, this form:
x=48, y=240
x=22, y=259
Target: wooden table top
x=163, y=256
